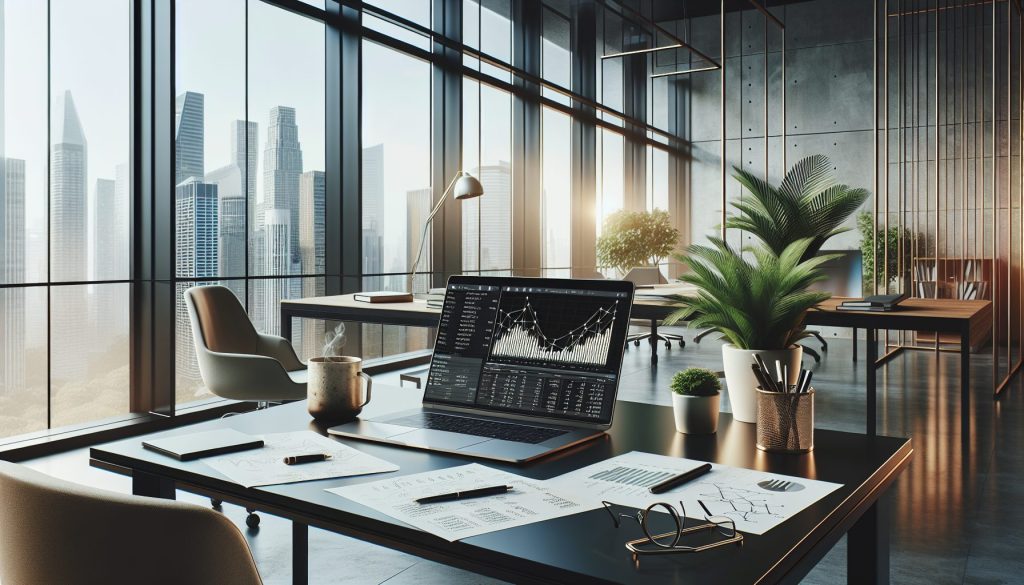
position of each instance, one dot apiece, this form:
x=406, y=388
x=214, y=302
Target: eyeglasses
x=662, y=535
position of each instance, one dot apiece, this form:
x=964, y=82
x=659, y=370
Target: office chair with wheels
x=238, y=362
x=54, y=531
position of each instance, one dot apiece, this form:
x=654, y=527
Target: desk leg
x=867, y=544
x=153, y=486
x=854, y=345
x=965, y=383
x=300, y=553
x=286, y=325
x=654, y=342
x=871, y=371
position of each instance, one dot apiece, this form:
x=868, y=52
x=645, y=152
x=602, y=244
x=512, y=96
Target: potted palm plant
x=758, y=306
x=695, y=398
x=809, y=203
x=635, y=242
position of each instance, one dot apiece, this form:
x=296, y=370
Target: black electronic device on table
x=522, y=367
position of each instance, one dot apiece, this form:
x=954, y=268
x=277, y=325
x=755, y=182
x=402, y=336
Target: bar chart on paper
x=528, y=332
x=633, y=476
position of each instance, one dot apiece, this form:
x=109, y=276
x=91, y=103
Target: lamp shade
x=467, y=187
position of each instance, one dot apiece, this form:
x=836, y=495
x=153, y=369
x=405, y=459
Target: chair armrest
x=281, y=350
x=248, y=377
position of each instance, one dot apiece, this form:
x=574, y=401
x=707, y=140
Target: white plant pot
x=740, y=381
x=695, y=415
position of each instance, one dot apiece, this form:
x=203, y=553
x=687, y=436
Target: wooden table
x=582, y=548
x=969, y=319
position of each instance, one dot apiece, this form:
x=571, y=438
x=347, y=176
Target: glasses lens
x=724, y=525
x=662, y=524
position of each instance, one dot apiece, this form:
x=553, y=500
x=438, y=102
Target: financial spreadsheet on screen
x=544, y=347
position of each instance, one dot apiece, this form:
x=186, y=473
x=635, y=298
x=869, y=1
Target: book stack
x=879, y=303
x=435, y=298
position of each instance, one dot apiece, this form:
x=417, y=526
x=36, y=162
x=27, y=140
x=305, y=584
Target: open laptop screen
x=543, y=347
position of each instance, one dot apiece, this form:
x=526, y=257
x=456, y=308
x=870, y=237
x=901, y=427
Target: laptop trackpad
x=432, y=439
x=507, y=450
x=367, y=428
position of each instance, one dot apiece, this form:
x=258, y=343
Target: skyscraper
x=12, y=270
x=312, y=190
x=372, y=197
x=231, y=241
x=68, y=167
x=417, y=203
x=282, y=165
x=188, y=136
x=244, y=155
x=277, y=241
x=196, y=208
x=495, y=225
x=230, y=190
x=110, y=237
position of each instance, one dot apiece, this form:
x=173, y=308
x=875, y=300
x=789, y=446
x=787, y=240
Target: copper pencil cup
x=785, y=421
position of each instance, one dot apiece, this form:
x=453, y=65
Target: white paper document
x=756, y=500
x=529, y=501
x=266, y=466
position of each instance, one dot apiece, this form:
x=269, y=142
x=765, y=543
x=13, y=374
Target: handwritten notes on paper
x=266, y=466
x=529, y=501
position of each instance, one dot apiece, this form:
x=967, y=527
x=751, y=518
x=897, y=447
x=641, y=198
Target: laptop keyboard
x=479, y=427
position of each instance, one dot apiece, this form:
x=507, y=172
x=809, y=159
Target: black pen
x=298, y=459
x=477, y=493
x=680, y=479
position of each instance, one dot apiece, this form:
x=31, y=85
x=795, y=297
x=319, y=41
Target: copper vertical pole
x=784, y=147
x=765, y=106
x=883, y=269
x=1009, y=182
x=875, y=177
x=938, y=155
x=995, y=199
x=721, y=44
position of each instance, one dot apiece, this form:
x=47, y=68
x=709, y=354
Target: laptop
x=522, y=367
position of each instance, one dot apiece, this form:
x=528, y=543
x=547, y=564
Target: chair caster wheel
x=215, y=503
x=636, y=342
x=252, y=520
x=682, y=344
x=668, y=345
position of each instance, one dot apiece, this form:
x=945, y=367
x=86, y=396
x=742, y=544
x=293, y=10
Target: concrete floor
x=958, y=513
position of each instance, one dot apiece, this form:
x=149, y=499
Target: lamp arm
x=426, y=227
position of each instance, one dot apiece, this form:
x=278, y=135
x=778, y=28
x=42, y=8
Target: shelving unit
x=950, y=278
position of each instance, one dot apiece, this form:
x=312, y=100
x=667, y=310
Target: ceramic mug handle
x=369, y=387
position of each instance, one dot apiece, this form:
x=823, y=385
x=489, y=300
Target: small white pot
x=695, y=415
x=740, y=381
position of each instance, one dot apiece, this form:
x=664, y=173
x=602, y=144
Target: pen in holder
x=785, y=421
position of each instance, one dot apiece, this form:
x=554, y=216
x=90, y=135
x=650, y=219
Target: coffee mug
x=334, y=391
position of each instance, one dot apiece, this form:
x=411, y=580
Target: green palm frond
x=807, y=204
x=756, y=303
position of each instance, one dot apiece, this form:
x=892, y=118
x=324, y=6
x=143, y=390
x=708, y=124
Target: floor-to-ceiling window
x=233, y=188
x=249, y=165
x=397, y=194
x=65, y=203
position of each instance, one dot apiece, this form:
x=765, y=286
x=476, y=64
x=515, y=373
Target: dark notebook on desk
x=873, y=303
x=195, y=445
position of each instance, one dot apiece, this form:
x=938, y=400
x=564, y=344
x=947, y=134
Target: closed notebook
x=875, y=301
x=383, y=297
x=195, y=445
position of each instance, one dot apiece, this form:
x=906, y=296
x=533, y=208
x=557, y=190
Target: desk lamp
x=463, y=186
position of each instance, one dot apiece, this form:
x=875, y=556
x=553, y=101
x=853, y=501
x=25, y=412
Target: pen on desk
x=298, y=459
x=680, y=479
x=477, y=493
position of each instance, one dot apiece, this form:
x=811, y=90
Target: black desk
x=965, y=318
x=583, y=547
